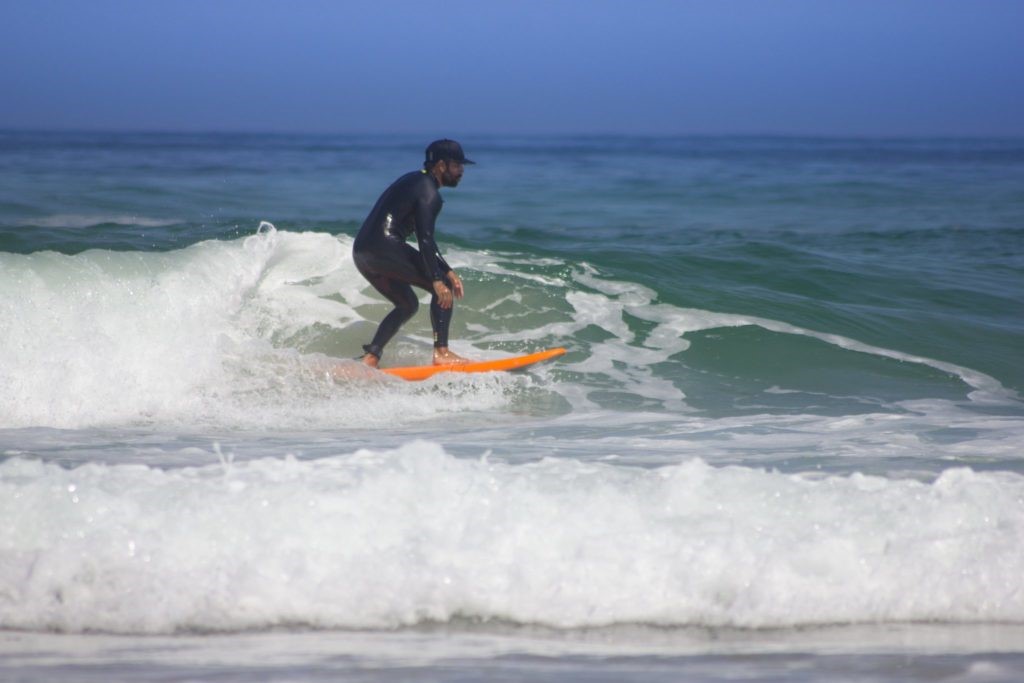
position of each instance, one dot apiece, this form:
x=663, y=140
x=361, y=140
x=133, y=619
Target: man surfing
x=411, y=205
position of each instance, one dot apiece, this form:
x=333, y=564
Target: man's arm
x=427, y=208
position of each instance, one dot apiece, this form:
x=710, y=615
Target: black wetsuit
x=411, y=204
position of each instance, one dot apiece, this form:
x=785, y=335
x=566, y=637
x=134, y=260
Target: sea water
x=785, y=442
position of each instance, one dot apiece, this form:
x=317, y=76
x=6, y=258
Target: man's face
x=451, y=173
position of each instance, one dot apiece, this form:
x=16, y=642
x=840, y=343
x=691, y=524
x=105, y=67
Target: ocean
x=786, y=442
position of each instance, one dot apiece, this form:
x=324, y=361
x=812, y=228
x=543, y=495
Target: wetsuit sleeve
x=427, y=209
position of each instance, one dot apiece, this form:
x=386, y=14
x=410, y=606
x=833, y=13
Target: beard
x=449, y=179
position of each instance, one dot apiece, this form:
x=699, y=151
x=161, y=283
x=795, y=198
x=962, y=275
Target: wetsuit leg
x=440, y=320
x=391, y=267
x=406, y=304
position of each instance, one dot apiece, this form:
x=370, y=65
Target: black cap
x=446, y=150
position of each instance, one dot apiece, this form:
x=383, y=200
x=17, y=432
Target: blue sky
x=803, y=67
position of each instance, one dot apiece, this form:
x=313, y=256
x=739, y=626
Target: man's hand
x=444, y=295
x=456, y=283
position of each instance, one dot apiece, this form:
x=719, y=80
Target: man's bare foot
x=445, y=357
x=371, y=360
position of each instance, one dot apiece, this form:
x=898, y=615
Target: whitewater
x=395, y=538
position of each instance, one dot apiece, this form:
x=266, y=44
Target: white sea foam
x=377, y=539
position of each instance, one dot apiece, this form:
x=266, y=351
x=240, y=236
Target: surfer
x=411, y=205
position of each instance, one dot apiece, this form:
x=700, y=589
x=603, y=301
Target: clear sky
x=815, y=67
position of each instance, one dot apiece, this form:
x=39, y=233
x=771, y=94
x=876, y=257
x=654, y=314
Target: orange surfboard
x=421, y=372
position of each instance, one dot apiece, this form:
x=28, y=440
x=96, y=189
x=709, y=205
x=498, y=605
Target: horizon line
x=509, y=133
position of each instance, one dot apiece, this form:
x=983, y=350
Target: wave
x=381, y=539
x=93, y=220
x=248, y=332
